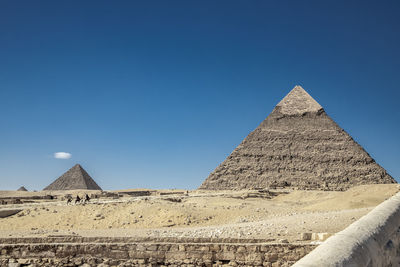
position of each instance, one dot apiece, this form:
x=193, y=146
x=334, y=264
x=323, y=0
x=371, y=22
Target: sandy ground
x=200, y=214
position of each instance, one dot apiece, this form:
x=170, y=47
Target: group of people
x=79, y=200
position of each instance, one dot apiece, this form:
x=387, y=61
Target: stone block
x=141, y=247
x=252, y=248
x=225, y=255
x=241, y=249
x=271, y=257
x=174, y=247
x=152, y=248
x=305, y=236
x=320, y=236
x=215, y=247
x=23, y=261
x=240, y=256
x=254, y=257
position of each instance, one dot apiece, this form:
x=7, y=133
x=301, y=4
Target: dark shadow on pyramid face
x=22, y=188
x=299, y=146
x=74, y=178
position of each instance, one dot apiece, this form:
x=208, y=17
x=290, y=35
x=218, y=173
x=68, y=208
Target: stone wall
x=374, y=240
x=75, y=251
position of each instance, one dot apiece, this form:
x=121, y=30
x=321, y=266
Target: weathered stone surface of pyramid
x=22, y=188
x=74, y=178
x=298, y=145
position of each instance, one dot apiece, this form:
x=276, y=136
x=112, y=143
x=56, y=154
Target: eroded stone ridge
x=298, y=145
x=74, y=178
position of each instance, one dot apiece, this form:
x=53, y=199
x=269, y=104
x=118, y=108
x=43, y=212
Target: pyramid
x=22, y=188
x=74, y=178
x=299, y=146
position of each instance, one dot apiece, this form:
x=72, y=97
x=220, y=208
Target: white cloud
x=62, y=155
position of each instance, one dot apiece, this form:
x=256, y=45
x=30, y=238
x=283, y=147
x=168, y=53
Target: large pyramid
x=74, y=178
x=298, y=145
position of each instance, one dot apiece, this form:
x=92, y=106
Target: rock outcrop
x=74, y=178
x=298, y=145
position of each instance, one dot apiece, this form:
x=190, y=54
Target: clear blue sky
x=155, y=94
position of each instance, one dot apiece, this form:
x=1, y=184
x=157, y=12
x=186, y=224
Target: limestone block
x=23, y=261
x=320, y=236
x=271, y=257
x=305, y=236
x=240, y=256
x=226, y=255
x=152, y=248
x=241, y=249
x=141, y=247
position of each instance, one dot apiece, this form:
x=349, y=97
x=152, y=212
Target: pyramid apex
x=298, y=102
x=298, y=87
x=77, y=166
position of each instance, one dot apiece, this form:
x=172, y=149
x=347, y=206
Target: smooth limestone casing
x=372, y=241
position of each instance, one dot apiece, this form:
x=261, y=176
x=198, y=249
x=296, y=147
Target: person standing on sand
x=87, y=198
x=78, y=199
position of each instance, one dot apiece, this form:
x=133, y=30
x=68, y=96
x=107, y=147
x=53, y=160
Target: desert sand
x=200, y=213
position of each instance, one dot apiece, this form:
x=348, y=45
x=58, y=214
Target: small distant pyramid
x=74, y=178
x=297, y=145
x=22, y=188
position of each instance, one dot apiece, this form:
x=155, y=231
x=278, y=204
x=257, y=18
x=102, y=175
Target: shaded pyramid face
x=298, y=145
x=22, y=188
x=74, y=178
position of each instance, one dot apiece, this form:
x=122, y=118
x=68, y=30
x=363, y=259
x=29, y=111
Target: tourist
x=87, y=198
x=78, y=199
